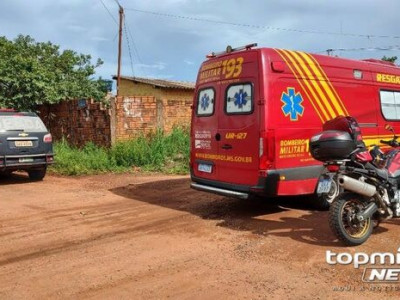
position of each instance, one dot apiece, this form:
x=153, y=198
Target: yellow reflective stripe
x=370, y=140
x=310, y=89
x=315, y=83
x=378, y=136
x=323, y=83
x=332, y=89
x=302, y=86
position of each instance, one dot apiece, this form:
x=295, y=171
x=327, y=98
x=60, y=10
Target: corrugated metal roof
x=169, y=84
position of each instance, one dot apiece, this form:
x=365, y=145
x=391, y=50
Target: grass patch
x=168, y=153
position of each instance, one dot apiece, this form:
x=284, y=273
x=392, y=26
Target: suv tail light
x=48, y=138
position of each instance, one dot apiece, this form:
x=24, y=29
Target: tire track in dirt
x=129, y=236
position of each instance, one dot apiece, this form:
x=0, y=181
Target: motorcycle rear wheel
x=343, y=221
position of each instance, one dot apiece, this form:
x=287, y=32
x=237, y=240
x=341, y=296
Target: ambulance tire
x=320, y=202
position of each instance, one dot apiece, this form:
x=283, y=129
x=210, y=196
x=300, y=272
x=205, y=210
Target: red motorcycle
x=363, y=187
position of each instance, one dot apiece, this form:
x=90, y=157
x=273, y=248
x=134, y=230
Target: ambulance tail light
x=267, y=150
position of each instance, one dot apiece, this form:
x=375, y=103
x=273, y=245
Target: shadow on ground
x=285, y=217
x=14, y=178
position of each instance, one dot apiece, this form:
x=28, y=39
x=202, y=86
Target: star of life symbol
x=240, y=98
x=292, y=106
x=204, y=101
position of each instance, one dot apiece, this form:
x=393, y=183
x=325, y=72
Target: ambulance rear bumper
x=219, y=191
x=279, y=182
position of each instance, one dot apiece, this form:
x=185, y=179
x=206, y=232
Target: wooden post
x=121, y=20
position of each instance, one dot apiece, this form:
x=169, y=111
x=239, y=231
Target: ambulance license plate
x=324, y=185
x=205, y=168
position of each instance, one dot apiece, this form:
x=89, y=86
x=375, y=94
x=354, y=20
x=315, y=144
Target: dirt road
x=146, y=237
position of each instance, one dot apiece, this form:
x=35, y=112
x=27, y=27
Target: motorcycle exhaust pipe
x=368, y=212
x=357, y=186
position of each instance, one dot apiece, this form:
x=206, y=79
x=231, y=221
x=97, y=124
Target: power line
x=368, y=36
x=135, y=51
x=129, y=48
x=109, y=12
x=119, y=5
x=383, y=48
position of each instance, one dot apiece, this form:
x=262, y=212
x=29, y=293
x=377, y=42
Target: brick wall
x=79, y=121
x=141, y=115
x=134, y=116
x=176, y=112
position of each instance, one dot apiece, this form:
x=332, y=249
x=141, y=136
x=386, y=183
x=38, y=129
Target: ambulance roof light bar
x=229, y=49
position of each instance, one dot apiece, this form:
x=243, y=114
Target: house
x=145, y=105
x=159, y=88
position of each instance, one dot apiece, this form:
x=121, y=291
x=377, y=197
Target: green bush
x=155, y=152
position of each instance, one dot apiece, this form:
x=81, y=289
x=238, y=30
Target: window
x=205, y=102
x=239, y=99
x=22, y=123
x=390, y=104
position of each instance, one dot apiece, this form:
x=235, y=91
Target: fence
x=81, y=121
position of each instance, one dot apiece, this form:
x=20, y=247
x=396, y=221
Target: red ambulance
x=255, y=109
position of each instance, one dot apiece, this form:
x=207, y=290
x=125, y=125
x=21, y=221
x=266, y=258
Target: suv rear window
x=15, y=122
x=239, y=99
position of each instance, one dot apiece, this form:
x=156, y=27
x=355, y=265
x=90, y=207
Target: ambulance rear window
x=390, y=103
x=239, y=99
x=205, y=102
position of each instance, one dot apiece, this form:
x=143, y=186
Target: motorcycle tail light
x=332, y=168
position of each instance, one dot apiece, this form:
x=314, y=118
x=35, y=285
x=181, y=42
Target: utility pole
x=121, y=20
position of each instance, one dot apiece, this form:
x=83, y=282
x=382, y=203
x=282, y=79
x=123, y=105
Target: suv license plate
x=23, y=144
x=25, y=160
x=324, y=185
x=205, y=168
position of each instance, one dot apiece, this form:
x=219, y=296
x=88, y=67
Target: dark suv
x=25, y=144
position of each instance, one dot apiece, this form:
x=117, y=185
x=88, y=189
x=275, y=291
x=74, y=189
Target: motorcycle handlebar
x=392, y=143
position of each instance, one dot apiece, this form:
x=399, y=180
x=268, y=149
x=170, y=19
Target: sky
x=169, y=39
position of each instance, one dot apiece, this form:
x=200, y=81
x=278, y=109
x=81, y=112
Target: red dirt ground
x=150, y=237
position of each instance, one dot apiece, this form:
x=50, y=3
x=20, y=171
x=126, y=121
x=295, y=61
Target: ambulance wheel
x=323, y=201
x=320, y=201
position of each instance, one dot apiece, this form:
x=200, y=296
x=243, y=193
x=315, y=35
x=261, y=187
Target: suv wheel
x=5, y=174
x=37, y=175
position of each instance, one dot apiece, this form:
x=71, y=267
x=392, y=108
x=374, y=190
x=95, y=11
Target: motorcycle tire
x=343, y=221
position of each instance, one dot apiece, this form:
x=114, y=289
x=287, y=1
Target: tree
x=33, y=73
x=390, y=58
